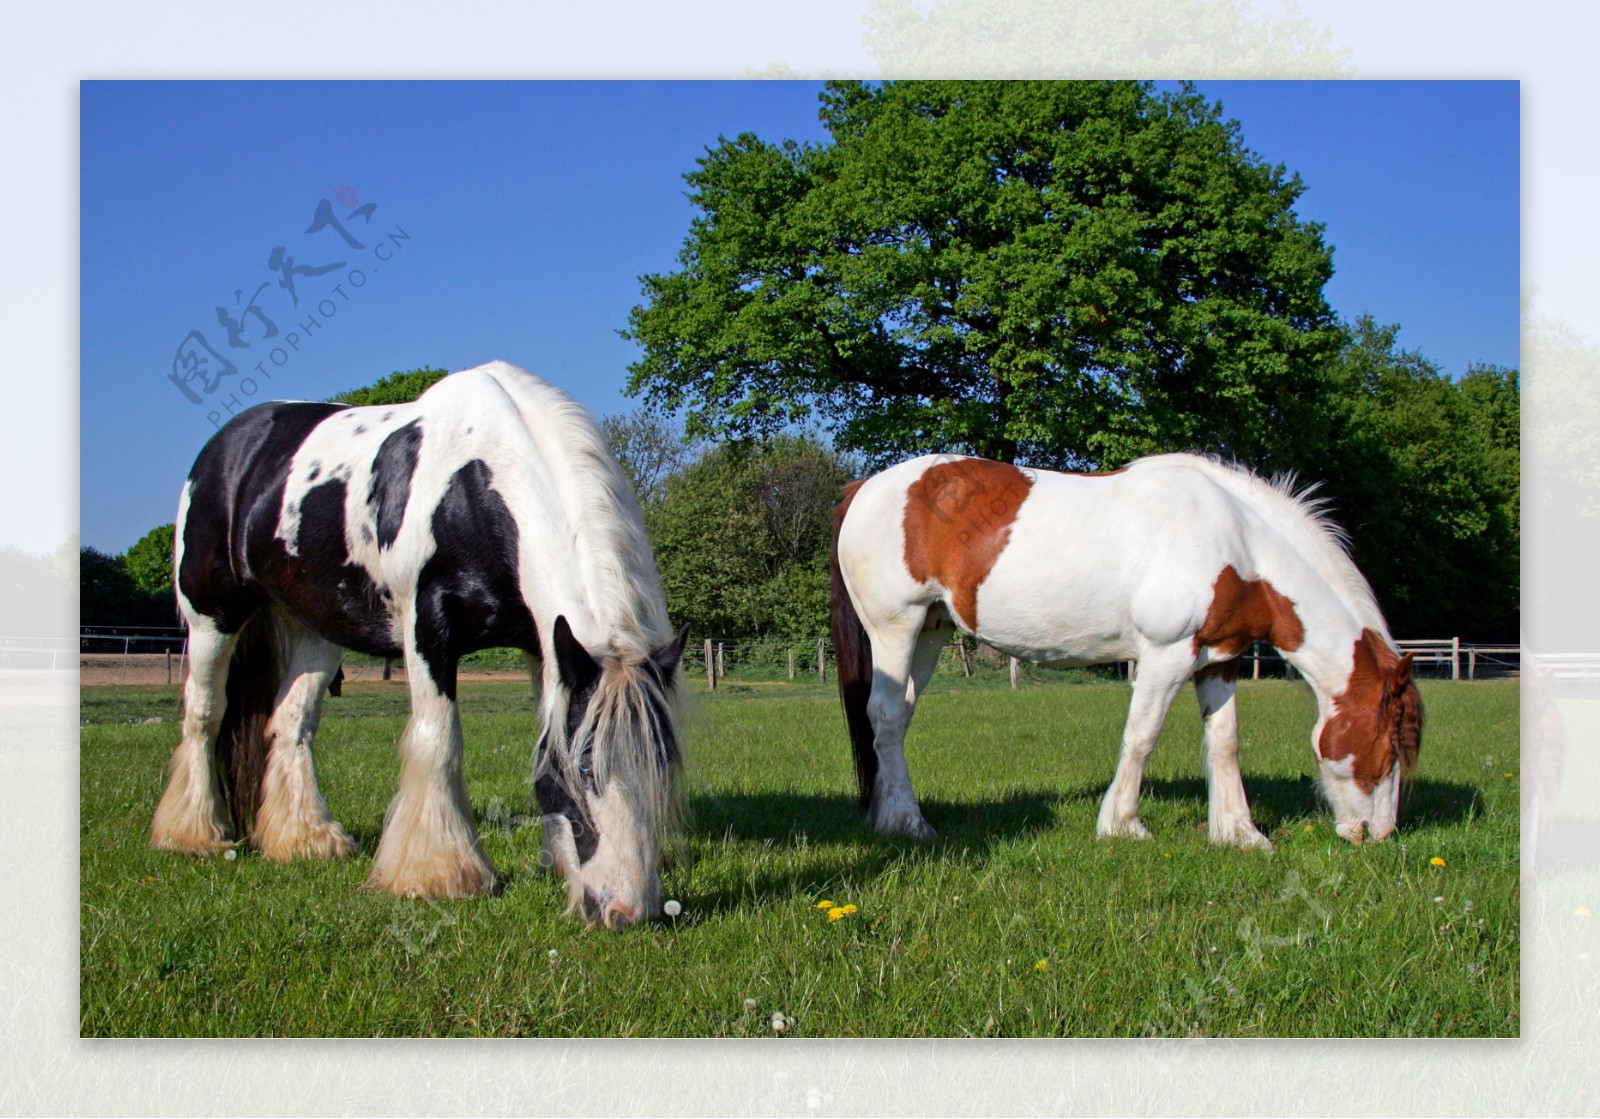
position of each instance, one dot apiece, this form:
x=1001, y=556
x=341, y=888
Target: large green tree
x=1064, y=273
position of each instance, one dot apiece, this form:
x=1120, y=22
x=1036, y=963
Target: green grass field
x=1017, y=921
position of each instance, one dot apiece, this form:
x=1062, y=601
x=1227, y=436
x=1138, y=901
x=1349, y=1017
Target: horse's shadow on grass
x=841, y=845
x=1275, y=801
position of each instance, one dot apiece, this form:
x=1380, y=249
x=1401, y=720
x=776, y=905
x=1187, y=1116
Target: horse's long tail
x=853, y=657
x=254, y=676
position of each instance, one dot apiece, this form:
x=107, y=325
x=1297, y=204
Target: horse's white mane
x=616, y=561
x=618, y=572
x=1301, y=517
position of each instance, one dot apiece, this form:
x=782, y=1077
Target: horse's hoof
x=1122, y=829
x=204, y=840
x=204, y=846
x=323, y=841
x=912, y=827
x=436, y=879
x=1246, y=837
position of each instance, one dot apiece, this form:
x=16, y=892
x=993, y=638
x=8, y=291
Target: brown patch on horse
x=1377, y=719
x=957, y=522
x=1247, y=610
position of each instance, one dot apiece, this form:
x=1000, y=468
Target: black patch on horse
x=555, y=800
x=392, y=470
x=580, y=673
x=469, y=596
x=236, y=479
x=318, y=582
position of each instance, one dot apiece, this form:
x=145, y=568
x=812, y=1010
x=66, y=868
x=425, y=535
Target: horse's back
x=1063, y=568
x=344, y=515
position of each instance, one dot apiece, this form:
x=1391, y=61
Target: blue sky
x=529, y=210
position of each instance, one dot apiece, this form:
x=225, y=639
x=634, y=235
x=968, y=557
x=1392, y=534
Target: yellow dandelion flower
x=836, y=913
x=848, y=908
x=1309, y=827
x=824, y=904
x=1437, y=861
x=1042, y=965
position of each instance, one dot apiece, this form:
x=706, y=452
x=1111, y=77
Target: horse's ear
x=667, y=657
x=1396, y=679
x=577, y=668
x=1402, y=672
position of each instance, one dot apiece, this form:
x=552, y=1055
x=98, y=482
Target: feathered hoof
x=1241, y=835
x=203, y=841
x=436, y=876
x=327, y=840
x=189, y=832
x=1131, y=828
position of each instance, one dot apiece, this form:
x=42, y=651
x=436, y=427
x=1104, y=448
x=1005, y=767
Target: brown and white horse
x=1177, y=562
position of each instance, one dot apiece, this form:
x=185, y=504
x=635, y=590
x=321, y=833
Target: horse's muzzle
x=609, y=911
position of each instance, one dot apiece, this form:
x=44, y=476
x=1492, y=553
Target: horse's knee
x=889, y=714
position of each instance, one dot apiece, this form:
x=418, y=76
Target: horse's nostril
x=619, y=915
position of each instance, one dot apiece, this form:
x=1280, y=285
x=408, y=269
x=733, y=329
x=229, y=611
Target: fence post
x=822, y=664
x=1255, y=657
x=722, y=668
x=1455, y=658
x=1013, y=673
x=791, y=662
x=1472, y=664
x=711, y=669
x=961, y=646
x=388, y=666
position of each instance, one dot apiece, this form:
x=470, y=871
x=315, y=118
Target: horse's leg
x=1160, y=674
x=897, y=652
x=193, y=814
x=430, y=846
x=1216, y=686
x=293, y=820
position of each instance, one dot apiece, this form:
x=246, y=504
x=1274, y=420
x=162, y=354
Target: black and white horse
x=487, y=513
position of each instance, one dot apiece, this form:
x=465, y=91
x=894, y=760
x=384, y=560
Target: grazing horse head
x=1368, y=741
x=607, y=775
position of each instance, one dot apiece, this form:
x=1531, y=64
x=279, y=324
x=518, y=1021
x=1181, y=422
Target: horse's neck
x=600, y=589
x=1330, y=628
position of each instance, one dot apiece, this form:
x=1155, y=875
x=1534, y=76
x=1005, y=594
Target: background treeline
x=1421, y=470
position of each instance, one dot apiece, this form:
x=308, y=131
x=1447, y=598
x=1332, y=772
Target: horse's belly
x=1074, y=622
